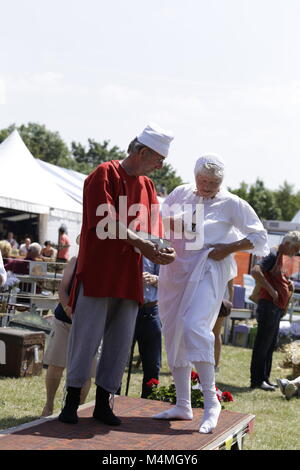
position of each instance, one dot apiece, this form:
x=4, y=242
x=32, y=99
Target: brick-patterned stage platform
x=137, y=432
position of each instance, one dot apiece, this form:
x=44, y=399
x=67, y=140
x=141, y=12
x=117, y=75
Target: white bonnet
x=213, y=159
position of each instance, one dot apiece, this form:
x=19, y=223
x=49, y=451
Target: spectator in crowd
x=108, y=280
x=64, y=244
x=23, y=250
x=21, y=266
x=48, y=251
x=12, y=241
x=223, y=313
x=192, y=288
x=56, y=352
x=3, y=275
x=148, y=327
x=274, y=295
x=289, y=388
x=5, y=248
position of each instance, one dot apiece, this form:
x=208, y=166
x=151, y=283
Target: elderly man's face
x=207, y=184
x=150, y=160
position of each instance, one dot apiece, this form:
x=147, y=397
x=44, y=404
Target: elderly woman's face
x=208, y=184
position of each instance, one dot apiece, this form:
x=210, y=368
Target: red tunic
x=279, y=281
x=111, y=267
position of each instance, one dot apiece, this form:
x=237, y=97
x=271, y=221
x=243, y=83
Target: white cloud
x=120, y=94
x=270, y=97
x=46, y=84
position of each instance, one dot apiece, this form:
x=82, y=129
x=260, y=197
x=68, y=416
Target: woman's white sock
x=182, y=409
x=212, y=406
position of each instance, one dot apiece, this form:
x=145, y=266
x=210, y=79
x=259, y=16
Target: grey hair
x=35, y=247
x=292, y=237
x=210, y=164
x=135, y=146
x=211, y=168
x=214, y=169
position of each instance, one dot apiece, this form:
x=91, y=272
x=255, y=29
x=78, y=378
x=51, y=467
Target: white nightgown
x=191, y=289
x=2, y=271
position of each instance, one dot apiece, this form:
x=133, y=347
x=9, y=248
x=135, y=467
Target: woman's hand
x=220, y=251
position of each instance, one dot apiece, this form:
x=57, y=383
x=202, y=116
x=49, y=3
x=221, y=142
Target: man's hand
x=166, y=255
x=150, y=251
x=68, y=311
x=150, y=279
x=275, y=296
x=291, y=286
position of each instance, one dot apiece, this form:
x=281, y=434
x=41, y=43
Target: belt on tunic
x=150, y=304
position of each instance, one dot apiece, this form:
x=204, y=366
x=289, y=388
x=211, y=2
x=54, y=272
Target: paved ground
x=137, y=432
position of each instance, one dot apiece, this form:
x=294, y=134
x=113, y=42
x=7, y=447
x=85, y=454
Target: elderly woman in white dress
x=191, y=288
x=3, y=275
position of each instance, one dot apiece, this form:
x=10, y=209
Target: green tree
x=42, y=143
x=287, y=201
x=50, y=147
x=5, y=132
x=87, y=159
x=242, y=191
x=261, y=199
x=165, y=180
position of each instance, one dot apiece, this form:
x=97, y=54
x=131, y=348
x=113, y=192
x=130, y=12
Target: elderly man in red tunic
x=108, y=287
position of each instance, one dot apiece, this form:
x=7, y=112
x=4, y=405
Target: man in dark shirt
x=274, y=296
x=148, y=327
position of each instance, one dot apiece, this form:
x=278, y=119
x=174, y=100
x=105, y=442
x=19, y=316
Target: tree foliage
x=281, y=204
x=87, y=159
x=165, y=180
x=42, y=143
x=50, y=147
x=287, y=200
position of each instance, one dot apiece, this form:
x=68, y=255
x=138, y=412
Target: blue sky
x=224, y=75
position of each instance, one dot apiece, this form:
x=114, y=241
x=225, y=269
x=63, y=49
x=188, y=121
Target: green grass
x=276, y=424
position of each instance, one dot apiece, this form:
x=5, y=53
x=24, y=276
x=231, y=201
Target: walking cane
x=130, y=365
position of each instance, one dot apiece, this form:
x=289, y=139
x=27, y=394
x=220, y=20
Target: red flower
x=152, y=382
x=195, y=376
x=226, y=396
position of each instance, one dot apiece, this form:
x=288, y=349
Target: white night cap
x=156, y=138
x=214, y=159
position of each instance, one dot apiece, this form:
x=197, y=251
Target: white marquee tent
x=296, y=218
x=31, y=186
x=70, y=181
